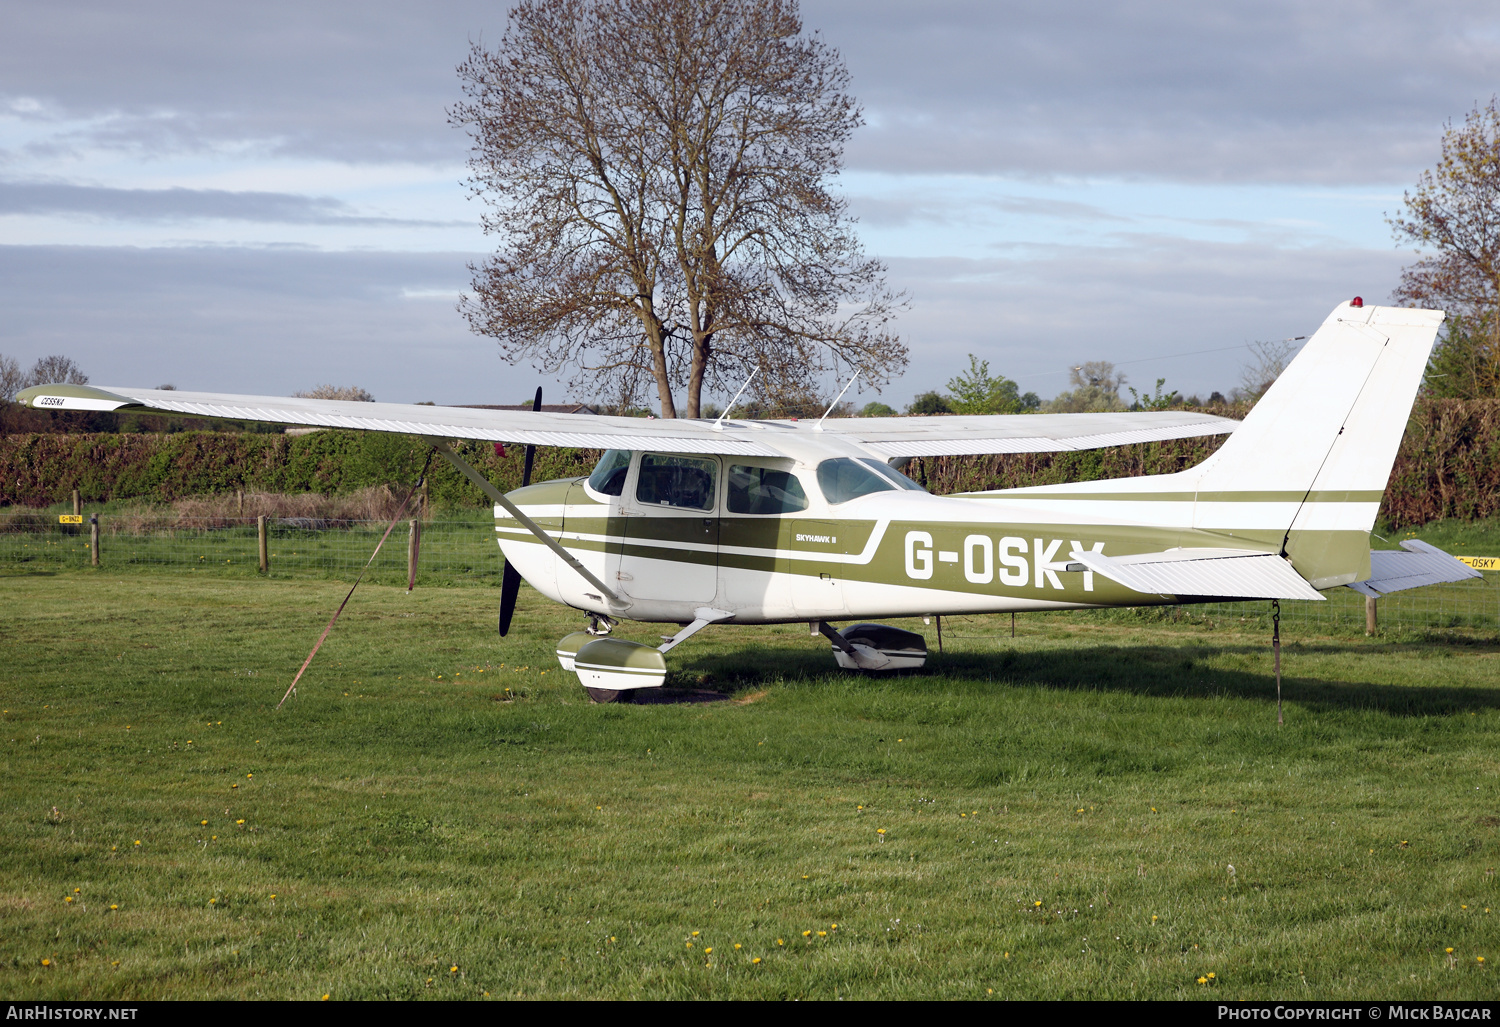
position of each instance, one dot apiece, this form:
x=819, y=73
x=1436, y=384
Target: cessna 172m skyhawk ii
x=760, y=522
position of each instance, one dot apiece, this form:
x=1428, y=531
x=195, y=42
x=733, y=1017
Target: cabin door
x=671, y=541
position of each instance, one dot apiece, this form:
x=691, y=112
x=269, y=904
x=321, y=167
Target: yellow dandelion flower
x=1449, y=951
x=695, y=934
x=989, y=991
x=138, y=841
x=880, y=830
x=239, y=821
x=807, y=934
x=453, y=969
x=77, y=890
x=324, y=998
x=203, y=823
x=707, y=950
x=833, y=927
x=755, y=960
x=67, y=898
x=1038, y=903
x=212, y=901
x=689, y=944
x=46, y=962
x=1203, y=980
x=1211, y=976
x=780, y=942
x=114, y=907
x=736, y=946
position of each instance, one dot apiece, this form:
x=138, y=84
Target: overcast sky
x=261, y=198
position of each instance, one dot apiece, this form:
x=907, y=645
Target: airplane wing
x=1414, y=565
x=891, y=436
x=1221, y=573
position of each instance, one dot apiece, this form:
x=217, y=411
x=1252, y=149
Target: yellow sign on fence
x=1481, y=563
x=70, y=518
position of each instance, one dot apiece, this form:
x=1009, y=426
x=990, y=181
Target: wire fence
x=450, y=552
x=464, y=551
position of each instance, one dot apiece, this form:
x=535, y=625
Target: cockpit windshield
x=609, y=473
x=842, y=479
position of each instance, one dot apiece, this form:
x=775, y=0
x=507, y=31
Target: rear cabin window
x=685, y=482
x=609, y=474
x=842, y=479
x=764, y=490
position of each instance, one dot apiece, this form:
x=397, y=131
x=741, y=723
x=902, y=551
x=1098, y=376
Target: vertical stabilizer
x=1313, y=457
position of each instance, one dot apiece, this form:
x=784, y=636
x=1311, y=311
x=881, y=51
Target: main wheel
x=608, y=694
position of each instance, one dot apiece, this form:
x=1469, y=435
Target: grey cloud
x=1033, y=314
x=1336, y=92
x=271, y=321
x=1283, y=91
x=254, y=320
x=178, y=204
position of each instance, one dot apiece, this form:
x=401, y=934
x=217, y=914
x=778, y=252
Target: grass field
x=441, y=813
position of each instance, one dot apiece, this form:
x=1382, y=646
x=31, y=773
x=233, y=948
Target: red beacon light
x=1357, y=302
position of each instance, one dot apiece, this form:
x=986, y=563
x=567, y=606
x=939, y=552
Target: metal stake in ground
x=1276, y=652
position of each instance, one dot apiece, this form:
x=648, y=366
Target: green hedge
x=1448, y=465
x=39, y=470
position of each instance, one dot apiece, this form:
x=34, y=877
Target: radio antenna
x=819, y=425
x=718, y=425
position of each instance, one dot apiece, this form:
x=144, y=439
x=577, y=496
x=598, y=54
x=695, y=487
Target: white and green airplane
x=698, y=522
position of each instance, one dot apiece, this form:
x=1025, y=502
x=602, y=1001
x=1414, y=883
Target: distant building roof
x=551, y=408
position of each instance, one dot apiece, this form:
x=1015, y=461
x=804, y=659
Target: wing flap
x=1413, y=565
x=1023, y=433
x=1221, y=573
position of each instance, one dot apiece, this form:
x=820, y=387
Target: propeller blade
x=510, y=583
x=536, y=405
x=510, y=586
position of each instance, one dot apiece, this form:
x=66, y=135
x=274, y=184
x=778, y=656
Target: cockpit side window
x=764, y=490
x=842, y=479
x=609, y=474
x=686, y=482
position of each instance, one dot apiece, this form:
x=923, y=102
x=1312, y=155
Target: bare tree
x=1267, y=361
x=352, y=393
x=1096, y=387
x=657, y=174
x=12, y=380
x=1455, y=212
x=55, y=370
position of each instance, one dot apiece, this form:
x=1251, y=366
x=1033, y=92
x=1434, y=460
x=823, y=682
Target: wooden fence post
x=1370, y=618
x=265, y=552
x=94, y=537
x=413, y=547
x=77, y=506
x=240, y=496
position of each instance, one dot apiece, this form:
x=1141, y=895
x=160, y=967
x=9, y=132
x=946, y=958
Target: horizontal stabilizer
x=1221, y=573
x=1414, y=565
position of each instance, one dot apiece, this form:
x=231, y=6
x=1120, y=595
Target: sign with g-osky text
x=1481, y=563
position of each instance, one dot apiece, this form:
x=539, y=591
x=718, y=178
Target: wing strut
x=441, y=445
